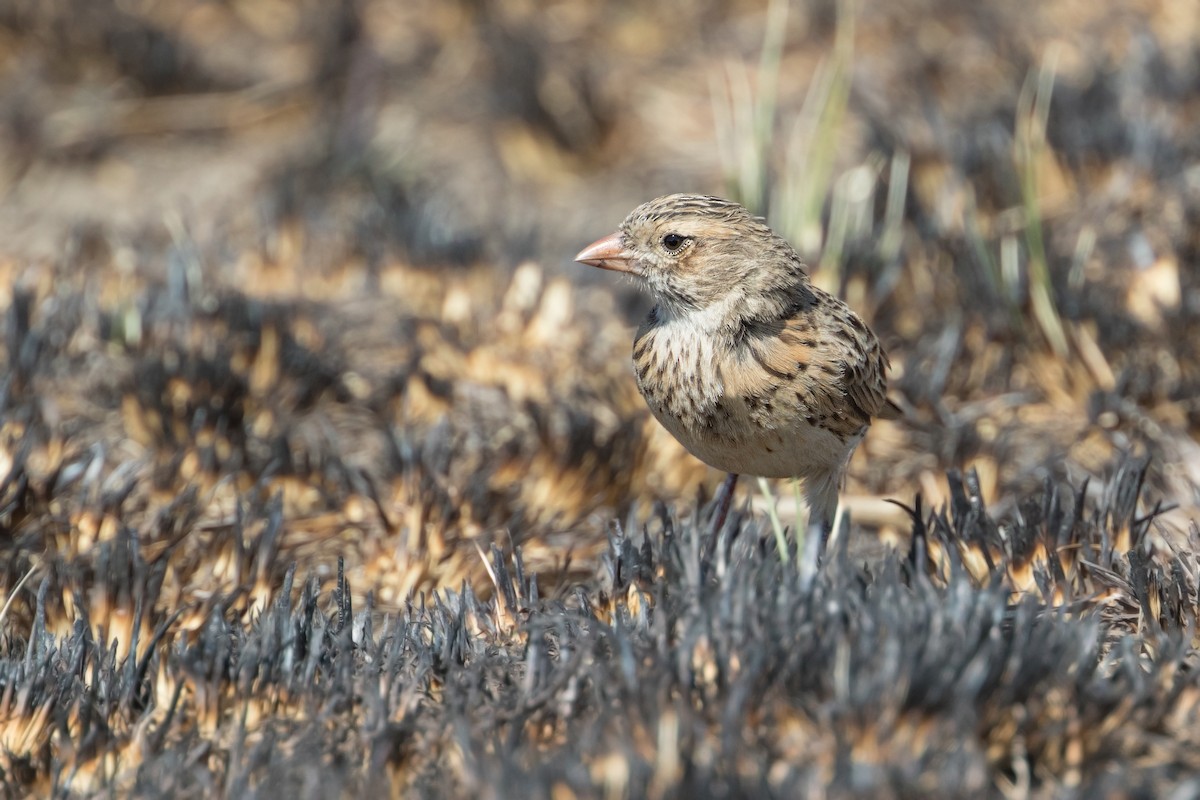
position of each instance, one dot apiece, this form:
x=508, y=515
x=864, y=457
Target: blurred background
x=352, y=224
x=292, y=336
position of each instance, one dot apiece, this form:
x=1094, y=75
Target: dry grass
x=322, y=474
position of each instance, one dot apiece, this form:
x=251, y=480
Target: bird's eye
x=673, y=241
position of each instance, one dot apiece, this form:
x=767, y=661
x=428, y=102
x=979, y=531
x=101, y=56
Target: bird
x=753, y=368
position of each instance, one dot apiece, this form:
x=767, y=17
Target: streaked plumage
x=755, y=370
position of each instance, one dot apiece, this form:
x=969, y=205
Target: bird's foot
x=724, y=501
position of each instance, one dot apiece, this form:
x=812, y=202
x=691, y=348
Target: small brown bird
x=751, y=367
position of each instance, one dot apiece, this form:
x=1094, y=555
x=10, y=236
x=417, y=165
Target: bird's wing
x=864, y=379
x=836, y=368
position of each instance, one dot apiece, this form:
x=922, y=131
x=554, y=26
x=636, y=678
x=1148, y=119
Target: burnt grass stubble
x=705, y=667
x=695, y=666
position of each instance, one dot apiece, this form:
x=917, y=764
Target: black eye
x=673, y=241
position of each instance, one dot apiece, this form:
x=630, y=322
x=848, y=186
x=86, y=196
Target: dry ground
x=322, y=470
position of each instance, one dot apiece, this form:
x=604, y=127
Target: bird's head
x=698, y=253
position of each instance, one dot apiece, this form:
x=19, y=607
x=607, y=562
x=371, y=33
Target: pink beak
x=608, y=253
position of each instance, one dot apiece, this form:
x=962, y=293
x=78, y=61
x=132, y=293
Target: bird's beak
x=608, y=253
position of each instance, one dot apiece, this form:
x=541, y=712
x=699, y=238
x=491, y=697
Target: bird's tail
x=821, y=492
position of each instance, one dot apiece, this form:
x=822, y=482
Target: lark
x=750, y=366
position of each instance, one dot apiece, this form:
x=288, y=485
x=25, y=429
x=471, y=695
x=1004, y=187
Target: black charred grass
x=213, y=593
x=154, y=648
x=281, y=516
x=693, y=666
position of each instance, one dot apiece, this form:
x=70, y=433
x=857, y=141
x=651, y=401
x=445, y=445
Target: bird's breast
x=678, y=375
x=691, y=382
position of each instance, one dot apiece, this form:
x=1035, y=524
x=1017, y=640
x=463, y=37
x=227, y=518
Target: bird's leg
x=724, y=501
